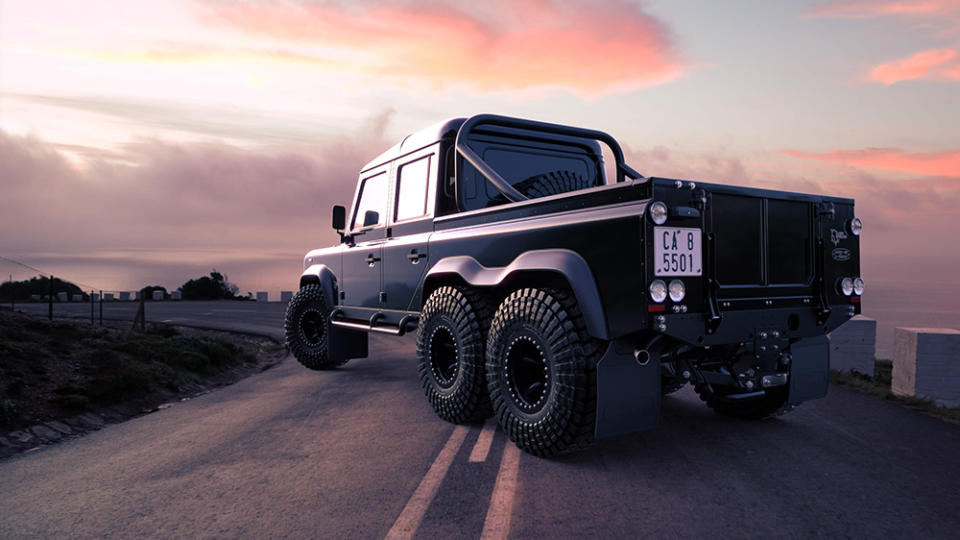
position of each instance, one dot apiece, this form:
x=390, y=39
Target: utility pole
x=50, y=300
x=101, y=307
x=13, y=295
x=91, y=306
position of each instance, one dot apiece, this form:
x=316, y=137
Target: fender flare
x=321, y=273
x=565, y=262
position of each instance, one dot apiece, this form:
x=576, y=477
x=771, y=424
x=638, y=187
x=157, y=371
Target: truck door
x=405, y=255
x=361, y=279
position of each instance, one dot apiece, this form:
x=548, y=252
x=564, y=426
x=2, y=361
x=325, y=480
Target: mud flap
x=346, y=343
x=628, y=394
x=809, y=369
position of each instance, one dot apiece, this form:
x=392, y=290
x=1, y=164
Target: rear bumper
x=741, y=325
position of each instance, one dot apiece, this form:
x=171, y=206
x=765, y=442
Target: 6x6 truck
x=567, y=301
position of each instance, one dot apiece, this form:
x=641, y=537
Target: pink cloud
x=867, y=9
x=931, y=164
x=500, y=45
x=922, y=65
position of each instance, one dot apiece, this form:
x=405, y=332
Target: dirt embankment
x=63, y=378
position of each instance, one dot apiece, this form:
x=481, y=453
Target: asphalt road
x=357, y=453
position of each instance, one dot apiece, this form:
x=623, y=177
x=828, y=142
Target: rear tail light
x=846, y=286
x=658, y=290
x=658, y=213
x=677, y=290
x=858, y=286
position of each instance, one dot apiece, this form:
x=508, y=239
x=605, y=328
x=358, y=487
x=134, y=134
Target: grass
x=50, y=369
x=879, y=385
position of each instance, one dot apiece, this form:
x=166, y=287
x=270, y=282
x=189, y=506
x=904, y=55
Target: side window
x=413, y=179
x=373, y=197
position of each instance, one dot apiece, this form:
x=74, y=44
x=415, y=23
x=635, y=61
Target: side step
x=407, y=322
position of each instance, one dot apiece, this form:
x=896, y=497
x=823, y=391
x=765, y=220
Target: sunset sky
x=148, y=142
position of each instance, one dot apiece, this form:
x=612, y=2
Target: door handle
x=371, y=259
x=415, y=257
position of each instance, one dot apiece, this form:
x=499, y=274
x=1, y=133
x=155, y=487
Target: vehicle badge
x=841, y=254
x=836, y=236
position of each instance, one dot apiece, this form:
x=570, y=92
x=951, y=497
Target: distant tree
x=214, y=287
x=22, y=290
x=147, y=292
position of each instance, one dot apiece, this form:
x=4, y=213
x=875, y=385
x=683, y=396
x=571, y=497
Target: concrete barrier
x=158, y=295
x=175, y=295
x=76, y=298
x=262, y=296
x=853, y=346
x=125, y=296
x=286, y=296
x=62, y=297
x=107, y=296
x=95, y=297
x=926, y=363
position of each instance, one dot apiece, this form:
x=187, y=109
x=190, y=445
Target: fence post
x=91, y=307
x=13, y=295
x=141, y=314
x=50, y=300
x=101, y=307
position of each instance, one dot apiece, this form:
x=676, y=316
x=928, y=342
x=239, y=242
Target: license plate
x=677, y=251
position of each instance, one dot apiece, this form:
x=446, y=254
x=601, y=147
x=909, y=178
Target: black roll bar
x=532, y=125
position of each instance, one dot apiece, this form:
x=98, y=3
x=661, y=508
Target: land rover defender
x=567, y=299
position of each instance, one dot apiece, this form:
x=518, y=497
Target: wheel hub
x=528, y=374
x=312, y=329
x=444, y=361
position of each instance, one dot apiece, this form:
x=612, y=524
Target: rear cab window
x=413, y=183
x=535, y=171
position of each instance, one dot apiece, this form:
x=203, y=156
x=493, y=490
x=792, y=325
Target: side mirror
x=371, y=217
x=339, y=218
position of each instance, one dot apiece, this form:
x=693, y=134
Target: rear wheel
x=450, y=352
x=773, y=402
x=541, y=372
x=307, y=328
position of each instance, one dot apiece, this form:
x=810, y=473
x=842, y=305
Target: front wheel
x=541, y=372
x=307, y=328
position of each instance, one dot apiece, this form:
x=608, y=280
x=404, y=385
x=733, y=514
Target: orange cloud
x=892, y=159
x=924, y=64
x=499, y=45
x=868, y=9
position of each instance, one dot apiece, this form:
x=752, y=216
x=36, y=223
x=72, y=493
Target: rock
x=59, y=426
x=91, y=420
x=4, y=443
x=46, y=434
x=21, y=437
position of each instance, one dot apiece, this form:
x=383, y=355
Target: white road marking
x=482, y=446
x=497, y=523
x=409, y=519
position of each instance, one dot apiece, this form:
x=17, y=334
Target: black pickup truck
x=567, y=299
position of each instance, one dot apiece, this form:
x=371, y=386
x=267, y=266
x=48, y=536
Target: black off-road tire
x=773, y=403
x=450, y=354
x=541, y=372
x=307, y=328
